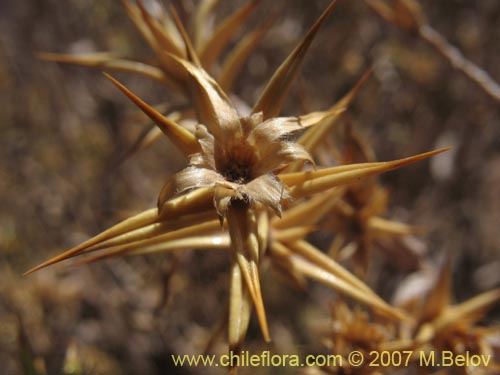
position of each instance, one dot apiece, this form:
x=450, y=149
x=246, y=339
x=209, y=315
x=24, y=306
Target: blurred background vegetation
x=65, y=132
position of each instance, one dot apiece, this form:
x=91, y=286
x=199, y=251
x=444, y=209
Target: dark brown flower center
x=239, y=173
x=237, y=163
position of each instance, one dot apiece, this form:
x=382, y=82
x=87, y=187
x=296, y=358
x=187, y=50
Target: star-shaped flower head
x=439, y=325
x=243, y=170
x=354, y=330
x=240, y=159
x=238, y=162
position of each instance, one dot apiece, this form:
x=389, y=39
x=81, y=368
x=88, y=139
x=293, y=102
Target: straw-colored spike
x=258, y=301
x=314, y=119
x=168, y=24
x=241, y=221
x=316, y=256
x=469, y=311
x=247, y=273
x=179, y=136
x=273, y=96
x=219, y=241
x=294, y=178
x=384, y=227
x=240, y=308
x=156, y=229
x=91, y=59
x=257, y=242
x=292, y=234
x=110, y=62
x=148, y=231
x=195, y=201
x=308, y=212
x=135, y=15
x=316, y=181
x=191, y=54
x=234, y=61
x=143, y=219
x=199, y=20
x=209, y=227
x=211, y=50
x=317, y=273
x=163, y=41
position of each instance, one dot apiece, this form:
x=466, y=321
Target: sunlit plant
x=251, y=185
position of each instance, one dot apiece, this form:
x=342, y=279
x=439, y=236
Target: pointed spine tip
x=180, y=136
x=272, y=98
x=190, y=51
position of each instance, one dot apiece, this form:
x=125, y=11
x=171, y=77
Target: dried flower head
x=244, y=172
x=239, y=157
x=440, y=325
x=352, y=329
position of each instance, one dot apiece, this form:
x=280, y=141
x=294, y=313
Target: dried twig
x=409, y=16
x=460, y=62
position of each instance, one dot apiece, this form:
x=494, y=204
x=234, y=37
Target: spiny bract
x=254, y=175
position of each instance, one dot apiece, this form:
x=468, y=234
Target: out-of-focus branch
x=409, y=16
x=460, y=62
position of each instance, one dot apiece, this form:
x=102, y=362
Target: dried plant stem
x=409, y=15
x=460, y=62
